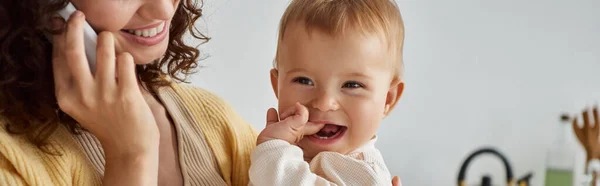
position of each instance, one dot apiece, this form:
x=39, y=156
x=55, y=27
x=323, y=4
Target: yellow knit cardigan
x=230, y=138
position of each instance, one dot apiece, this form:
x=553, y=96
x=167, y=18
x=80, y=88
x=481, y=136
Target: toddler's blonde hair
x=334, y=17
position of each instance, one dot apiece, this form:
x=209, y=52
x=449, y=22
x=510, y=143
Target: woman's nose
x=158, y=9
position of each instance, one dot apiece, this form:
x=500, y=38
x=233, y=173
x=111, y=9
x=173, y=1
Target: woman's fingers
x=105, y=71
x=59, y=64
x=75, y=52
x=127, y=79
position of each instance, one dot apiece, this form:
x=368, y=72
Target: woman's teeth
x=151, y=32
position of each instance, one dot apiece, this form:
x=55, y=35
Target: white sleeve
x=276, y=162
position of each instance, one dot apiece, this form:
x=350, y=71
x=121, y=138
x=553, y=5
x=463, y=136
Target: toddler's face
x=345, y=82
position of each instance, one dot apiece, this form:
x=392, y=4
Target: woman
x=61, y=124
x=141, y=128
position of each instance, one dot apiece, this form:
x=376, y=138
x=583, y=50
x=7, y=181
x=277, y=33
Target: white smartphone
x=89, y=36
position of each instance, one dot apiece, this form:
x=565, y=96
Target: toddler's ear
x=274, y=76
x=393, y=95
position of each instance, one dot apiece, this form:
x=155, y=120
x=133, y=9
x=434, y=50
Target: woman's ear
x=393, y=95
x=274, y=76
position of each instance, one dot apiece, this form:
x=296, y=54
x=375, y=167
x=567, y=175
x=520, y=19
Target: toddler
x=337, y=73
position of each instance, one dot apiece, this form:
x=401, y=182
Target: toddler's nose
x=325, y=102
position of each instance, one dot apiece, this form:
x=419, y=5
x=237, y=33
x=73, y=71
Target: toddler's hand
x=291, y=128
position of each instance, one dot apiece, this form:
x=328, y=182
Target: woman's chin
x=146, y=57
x=145, y=61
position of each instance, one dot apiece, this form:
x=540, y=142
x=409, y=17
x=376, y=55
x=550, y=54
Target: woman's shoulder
x=59, y=144
x=12, y=143
x=29, y=163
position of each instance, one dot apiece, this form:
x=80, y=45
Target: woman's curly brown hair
x=27, y=102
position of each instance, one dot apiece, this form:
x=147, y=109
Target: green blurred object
x=560, y=157
x=558, y=177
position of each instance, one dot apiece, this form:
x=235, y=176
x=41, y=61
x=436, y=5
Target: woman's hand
x=113, y=110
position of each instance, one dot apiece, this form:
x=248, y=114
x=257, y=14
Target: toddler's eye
x=303, y=80
x=352, y=84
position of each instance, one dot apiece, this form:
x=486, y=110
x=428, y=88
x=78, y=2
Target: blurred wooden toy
x=588, y=136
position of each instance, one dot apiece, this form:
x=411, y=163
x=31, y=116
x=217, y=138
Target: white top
x=277, y=162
